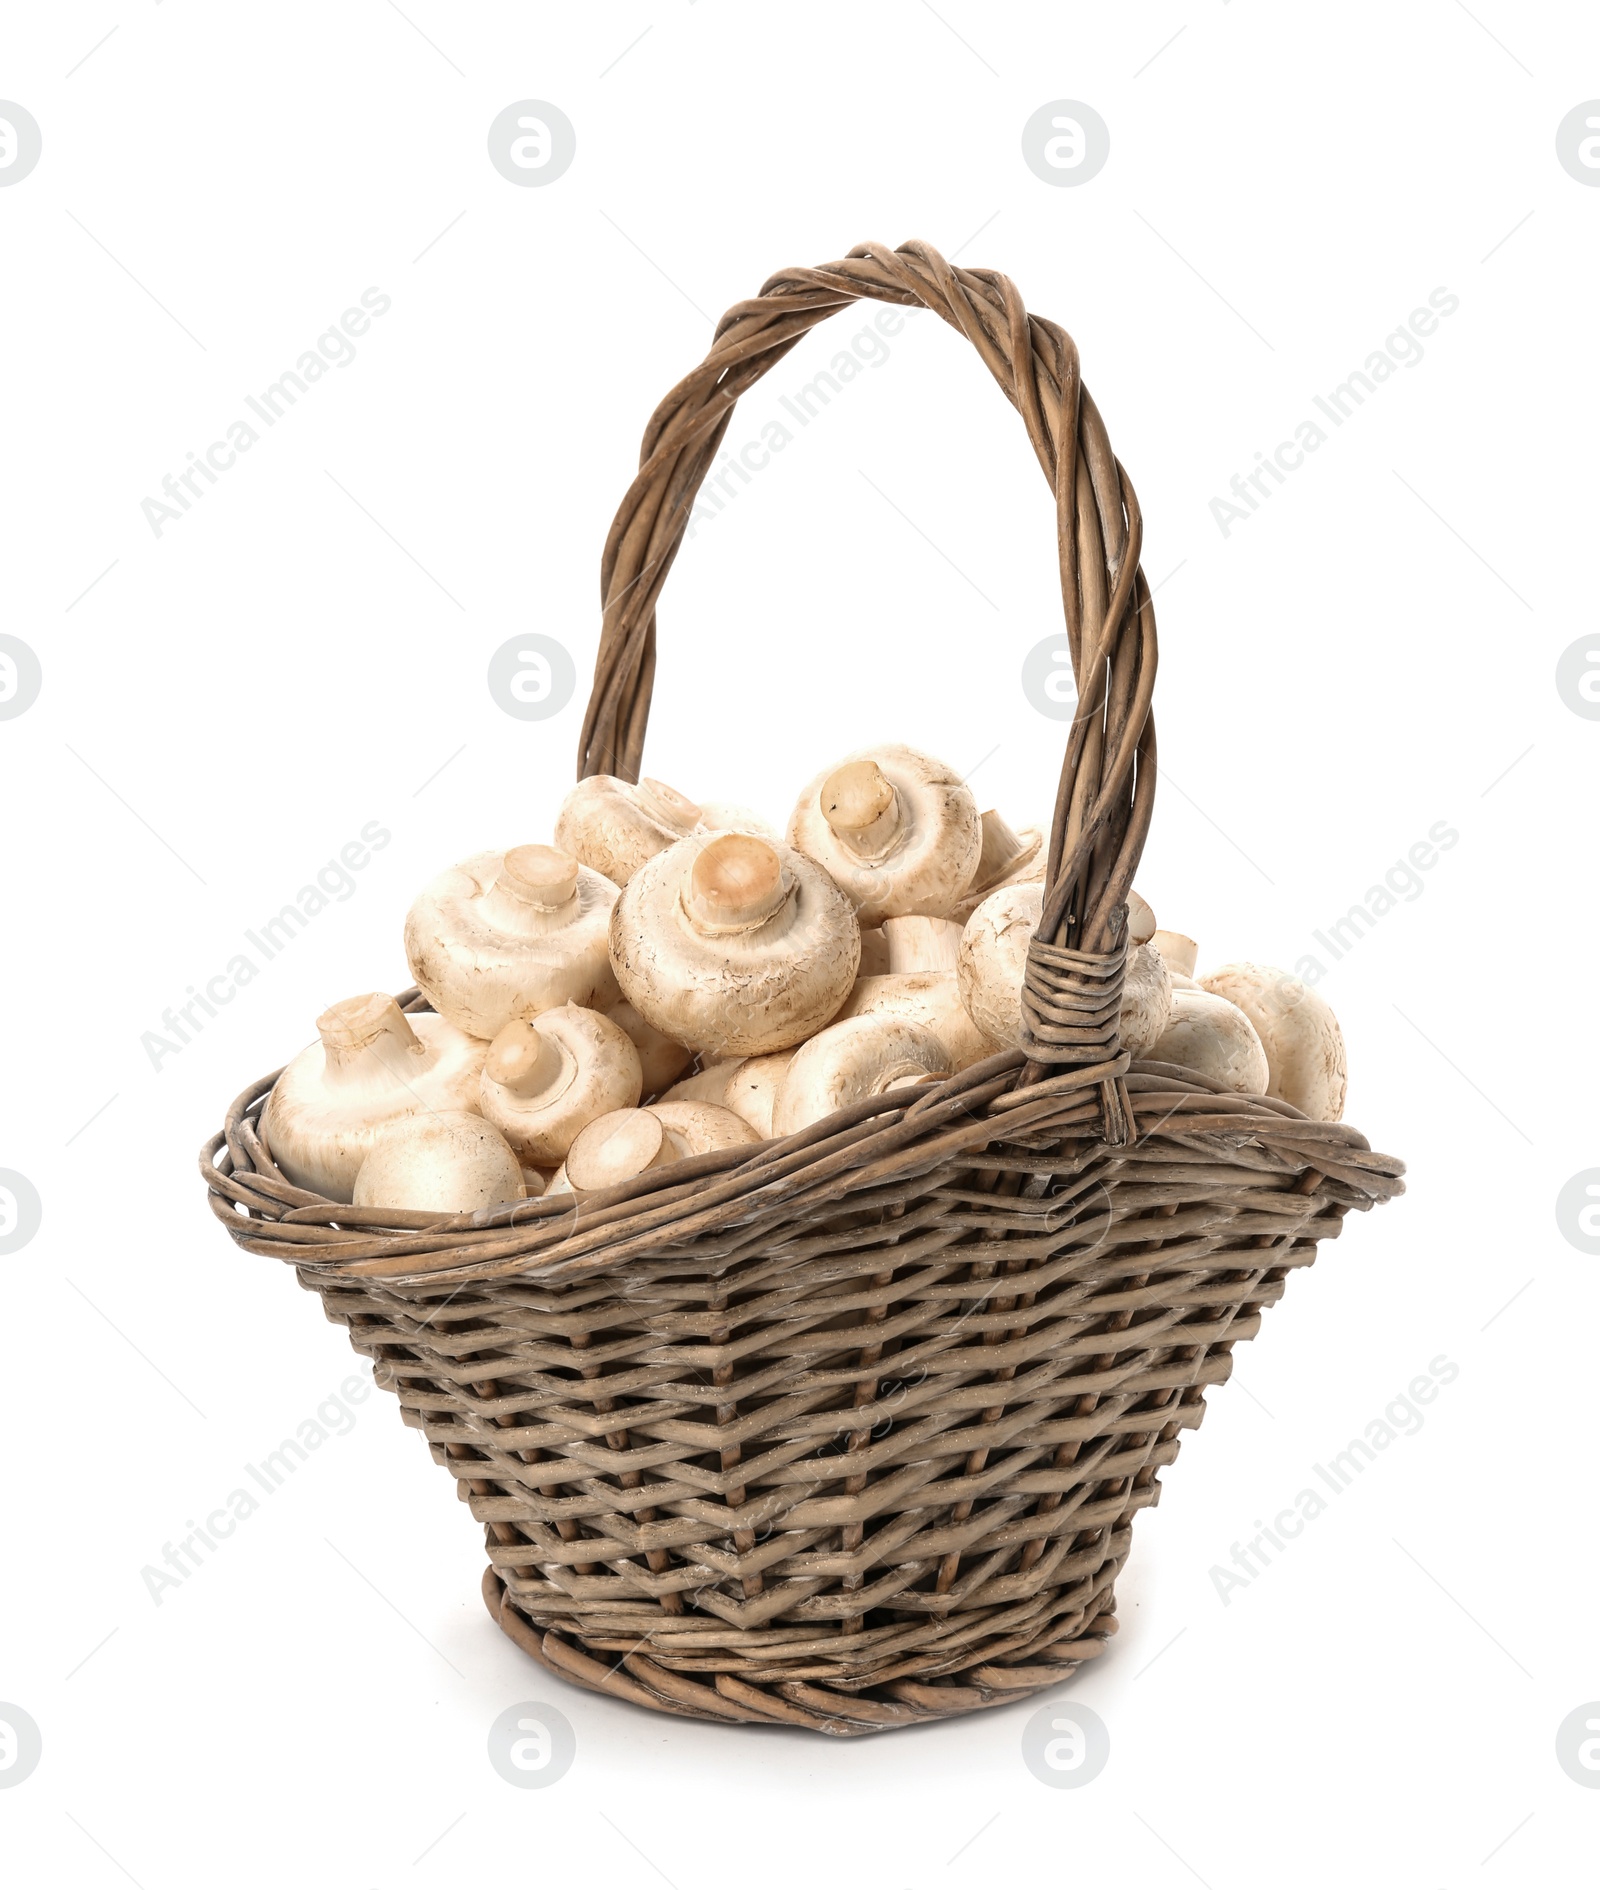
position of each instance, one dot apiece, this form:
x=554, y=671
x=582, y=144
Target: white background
x=1372, y=652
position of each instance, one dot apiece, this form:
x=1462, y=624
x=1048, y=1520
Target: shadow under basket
x=848, y=1430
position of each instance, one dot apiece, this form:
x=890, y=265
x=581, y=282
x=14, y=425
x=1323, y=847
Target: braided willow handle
x=1073, y=988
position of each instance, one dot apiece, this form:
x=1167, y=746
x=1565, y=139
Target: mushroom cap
x=931, y=999
x=1304, y=1045
x=661, y=1060
x=1141, y=920
x=1178, y=949
x=1208, y=1034
x=993, y=957
x=708, y=1084
x=918, y=942
x=512, y=934
x=851, y=1060
x=447, y=1162
x=699, y=1127
x=731, y=817
x=1146, y=1001
x=329, y=1103
x=746, y=1085
x=545, y=1079
x=734, y=945
x=915, y=832
x=614, y=826
x=1006, y=859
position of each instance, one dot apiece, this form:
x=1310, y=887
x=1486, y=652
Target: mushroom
x=931, y=999
x=1141, y=920
x=874, y=952
x=994, y=958
x=734, y=945
x=746, y=1085
x=851, y=1060
x=372, y=1063
x=1179, y=952
x=1208, y=1034
x=447, y=1162
x=1005, y=859
x=546, y=1079
x=730, y=817
x=1146, y=1001
x=616, y=1147
x=508, y=935
x=919, y=943
x=614, y=826
x=899, y=831
x=661, y=1061
x=1301, y=1036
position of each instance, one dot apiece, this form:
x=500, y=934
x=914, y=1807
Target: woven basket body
x=848, y=1430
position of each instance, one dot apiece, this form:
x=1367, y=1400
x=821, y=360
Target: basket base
x=732, y=1701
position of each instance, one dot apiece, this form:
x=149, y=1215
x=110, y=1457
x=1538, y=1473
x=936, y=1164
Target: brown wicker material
x=848, y=1431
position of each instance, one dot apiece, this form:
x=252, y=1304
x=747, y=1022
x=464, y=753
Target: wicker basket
x=848, y=1431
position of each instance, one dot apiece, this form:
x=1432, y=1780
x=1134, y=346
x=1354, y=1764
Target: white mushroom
x=1141, y=921
x=898, y=830
x=699, y=1127
x=1146, y=1001
x=1179, y=951
x=1006, y=859
x=734, y=945
x=449, y=1162
x=627, y=1142
x=1208, y=1034
x=746, y=1085
x=919, y=943
x=994, y=957
x=510, y=935
x=544, y=1080
x=614, y=826
x=874, y=952
x=851, y=1060
x=730, y=817
x=1299, y=1033
x=931, y=999
x=373, y=1063
x=661, y=1060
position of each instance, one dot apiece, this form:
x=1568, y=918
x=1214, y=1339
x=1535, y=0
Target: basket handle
x=1072, y=991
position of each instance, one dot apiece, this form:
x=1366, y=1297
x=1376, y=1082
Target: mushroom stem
x=1001, y=849
x=528, y=1063
x=616, y=1147
x=533, y=891
x=1178, y=950
x=737, y=881
x=358, y=1030
x=861, y=806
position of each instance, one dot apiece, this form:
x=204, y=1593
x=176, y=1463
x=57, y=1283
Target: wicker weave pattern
x=848, y=1430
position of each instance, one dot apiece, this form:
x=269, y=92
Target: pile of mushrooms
x=672, y=977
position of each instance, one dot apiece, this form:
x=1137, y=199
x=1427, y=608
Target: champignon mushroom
x=372, y=1064
x=1179, y=951
x=1005, y=859
x=508, y=935
x=448, y=1162
x=1301, y=1036
x=994, y=958
x=898, y=831
x=917, y=942
x=930, y=999
x=1141, y=920
x=730, y=817
x=661, y=1061
x=851, y=1060
x=546, y=1079
x=614, y=826
x=734, y=945
x=1208, y=1034
x=1146, y=1001
x=627, y=1142
x=874, y=953
x=746, y=1085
